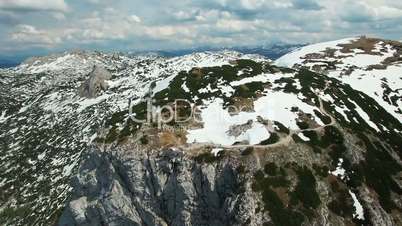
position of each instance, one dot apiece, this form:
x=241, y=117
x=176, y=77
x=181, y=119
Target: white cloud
x=385, y=12
x=59, y=15
x=252, y=4
x=134, y=18
x=175, y=32
x=369, y=12
x=31, y=36
x=212, y=15
x=34, y=5
x=107, y=25
x=235, y=25
x=192, y=23
x=183, y=15
x=263, y=4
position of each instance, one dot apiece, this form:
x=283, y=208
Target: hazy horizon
x=40, y=27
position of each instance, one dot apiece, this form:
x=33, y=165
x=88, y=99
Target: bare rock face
x=161, y=188
x=95, y=83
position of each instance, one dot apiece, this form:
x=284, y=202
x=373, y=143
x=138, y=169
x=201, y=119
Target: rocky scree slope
x=306, y=148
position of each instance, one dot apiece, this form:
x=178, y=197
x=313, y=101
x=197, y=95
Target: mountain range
x=271, y=51
x=313, y=137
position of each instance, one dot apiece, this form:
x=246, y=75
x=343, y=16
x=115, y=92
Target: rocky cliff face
x=156, y=188
x=286, y=184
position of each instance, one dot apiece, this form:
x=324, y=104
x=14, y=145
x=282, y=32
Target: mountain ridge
x=272, y=52
x=281, y=159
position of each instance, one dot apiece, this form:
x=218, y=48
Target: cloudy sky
x=41, y=26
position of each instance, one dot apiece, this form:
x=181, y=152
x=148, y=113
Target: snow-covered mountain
x=372, y=66
x=46, y=124
x=265, y=144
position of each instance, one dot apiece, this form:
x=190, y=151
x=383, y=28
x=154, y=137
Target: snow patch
x=339, y=171
x=228, y=91
x=359, y=212
x=216, y=151
x=303, y=137
x=257, y=78
x=275, y=106
x=89, y=102
x=296, y=57
x=3, y=117
x=217, y=123
x=185, y=88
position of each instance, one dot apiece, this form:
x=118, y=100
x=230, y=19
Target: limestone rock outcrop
x=96, y=83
